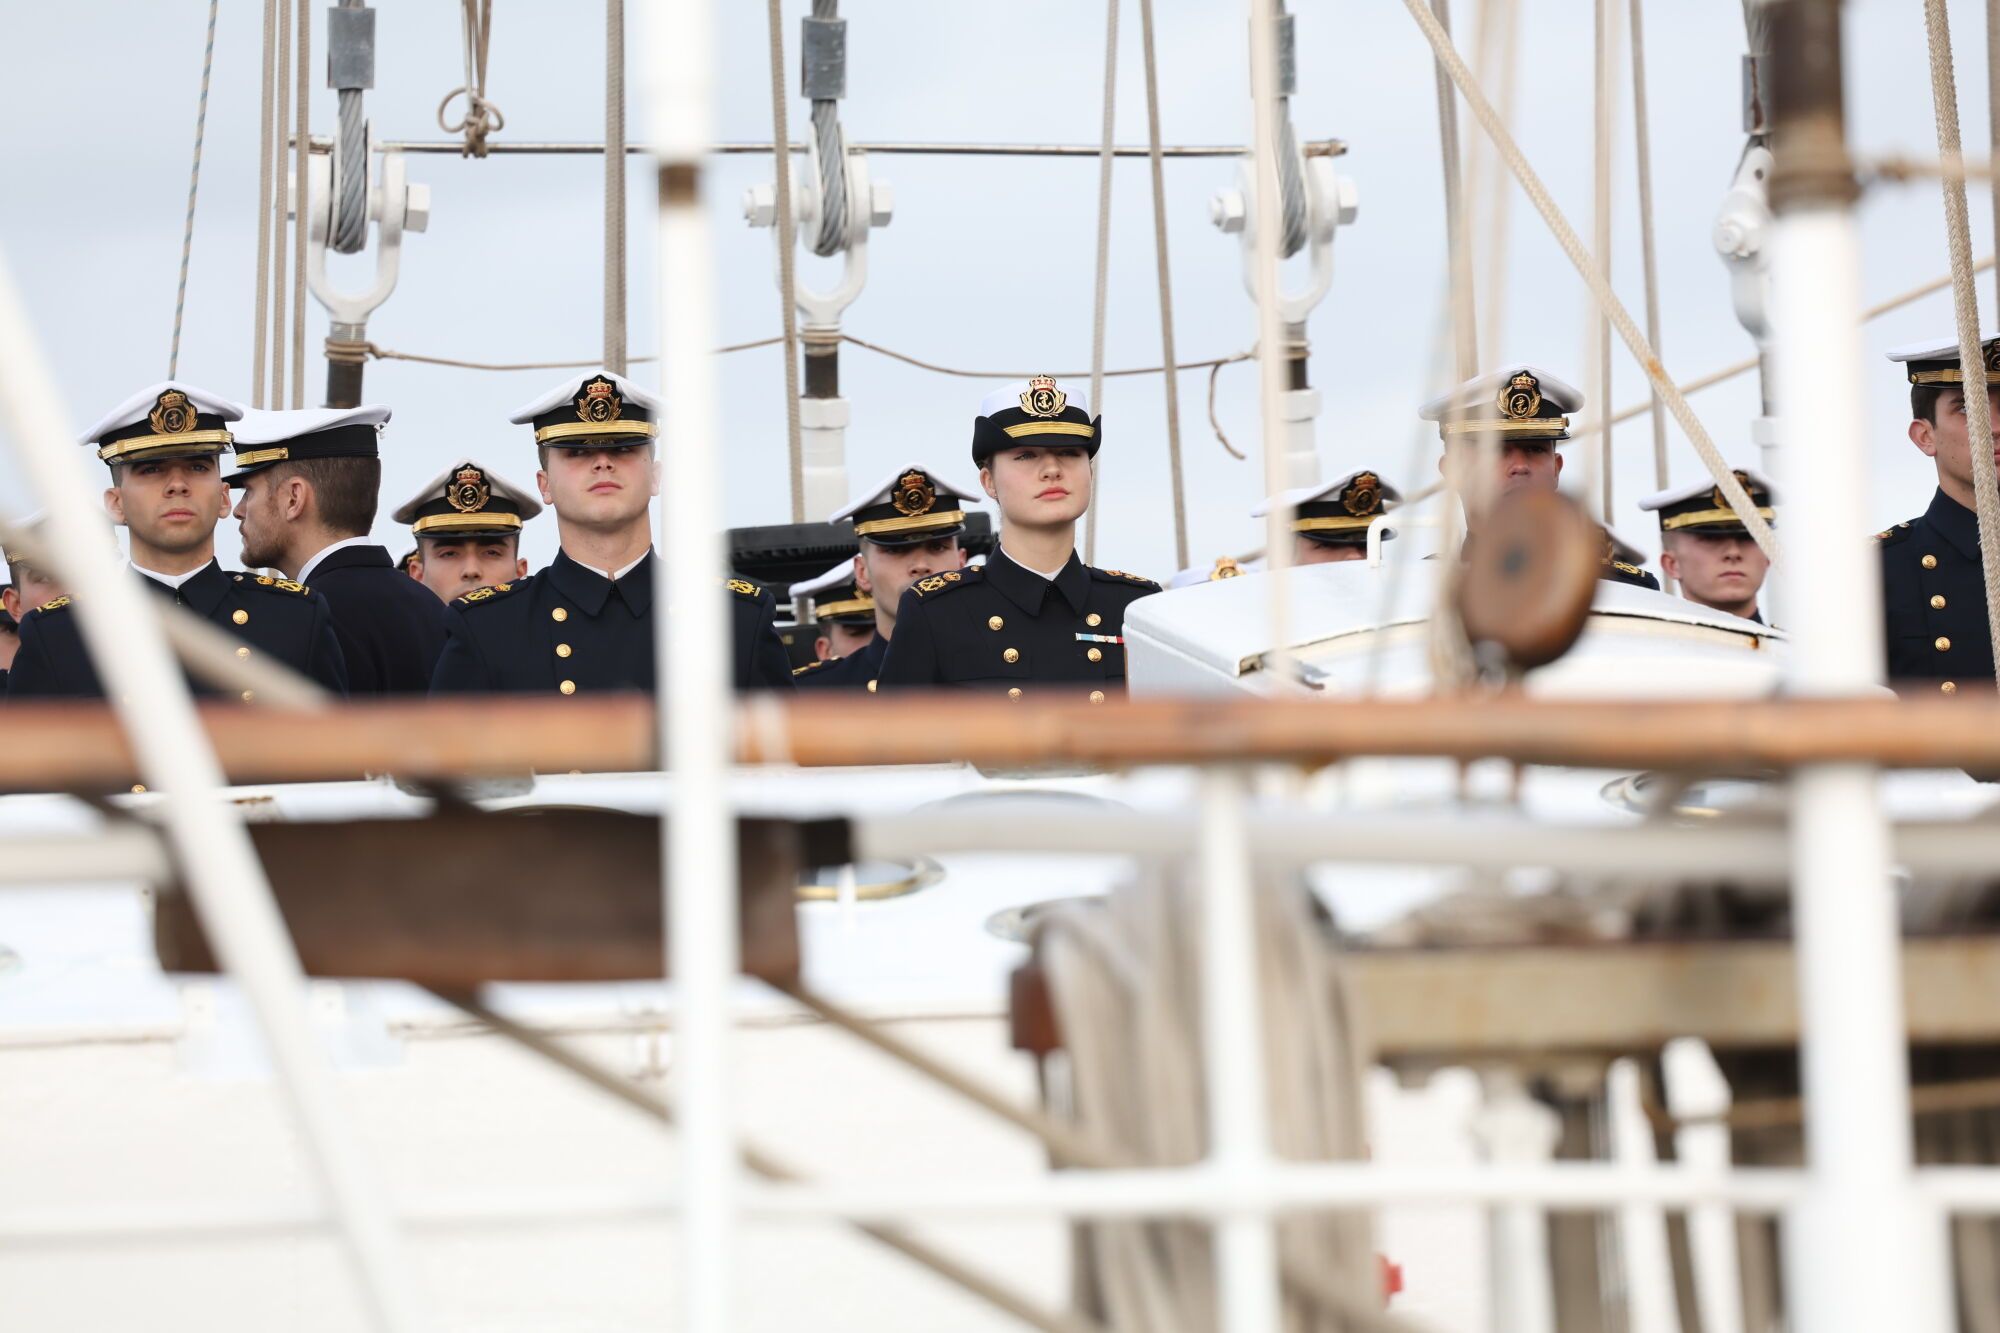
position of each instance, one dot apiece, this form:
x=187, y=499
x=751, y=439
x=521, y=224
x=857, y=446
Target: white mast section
x=691, y=653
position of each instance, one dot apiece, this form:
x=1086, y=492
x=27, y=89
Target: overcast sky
x=988, y=262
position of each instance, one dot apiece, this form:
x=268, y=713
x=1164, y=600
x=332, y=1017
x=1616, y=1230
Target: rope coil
x=481, y=117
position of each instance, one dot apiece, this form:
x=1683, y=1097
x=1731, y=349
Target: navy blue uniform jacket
x=568, y=629
x=391, y=627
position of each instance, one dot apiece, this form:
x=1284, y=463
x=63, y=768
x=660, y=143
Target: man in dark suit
x=585, y=623
x=307, y=483
x=167, y=492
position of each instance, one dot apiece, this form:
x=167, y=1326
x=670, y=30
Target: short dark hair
x=1924, y=401
x=346, y=489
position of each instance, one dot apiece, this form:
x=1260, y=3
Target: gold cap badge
x=1363, y=495
x=1043, y=398
x=1521, y=398
x=468, y=492
x=600, y=402
x=914, y=494
x=173, y=414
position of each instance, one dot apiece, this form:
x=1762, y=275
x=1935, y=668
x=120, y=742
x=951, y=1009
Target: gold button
x=871, y=687
x=559, y=615
x=567, y=687
x=248, y=695
x=1095, y=654
x=1097, y=696
x=1937, y=601
x=1014, y=692
x=1930, y=562
x=243, y=652
x=1949, y=687
x=240, y=617
x=1011, y=655
x=1093, y=619
x=1942, y=644
x=138, y=789
x=562, y=650
x=995, y=622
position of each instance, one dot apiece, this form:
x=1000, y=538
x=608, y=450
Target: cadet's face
x=844, y=639
x=1522, y=465
x=31, y=589
x=171, y=505
x=1306, y=551
x=1039, y=485
x=454, y=568
x=886, y=572
x=261, y=524
x=604, y=487
x=1717, y=570
x=1948, y=443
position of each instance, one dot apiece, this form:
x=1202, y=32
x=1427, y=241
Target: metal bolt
x=417, y=208
x=881, y=205
x=760, y=205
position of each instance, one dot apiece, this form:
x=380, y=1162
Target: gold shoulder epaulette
x=1123, y=577
x=53, y=604
x=483, y=594
x=812, y=666
x=939, y=582
x=278, y=585
x=1624, y=568
x=741, y=587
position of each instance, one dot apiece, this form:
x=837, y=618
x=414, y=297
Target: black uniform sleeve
x=32, y=675
x=461, y=667
x=912, y=659
x=326, y=663
x=762, y=663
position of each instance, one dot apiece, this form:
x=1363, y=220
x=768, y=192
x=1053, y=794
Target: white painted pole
x=1233, y=1056
x=1273, y=373
x=224, y=876
x=691, y=649
x=1863, y=1253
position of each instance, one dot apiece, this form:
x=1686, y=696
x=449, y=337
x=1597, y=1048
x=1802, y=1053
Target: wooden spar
x=79, y=747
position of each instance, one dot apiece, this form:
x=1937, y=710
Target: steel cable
x=831, y=143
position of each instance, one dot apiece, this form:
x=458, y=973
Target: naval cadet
x=1704, y=545
x=584, y=624
x=907, y=530
x=1524, y=411
x=163, y=447
x=1035, y=618
x=1330, y=523
x=1933, y=594
x=27, y=587
x=844, y=620
x=308, y=482
x=467, y=523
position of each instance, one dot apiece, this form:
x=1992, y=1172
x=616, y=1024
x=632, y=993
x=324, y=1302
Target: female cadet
x=1034, y=618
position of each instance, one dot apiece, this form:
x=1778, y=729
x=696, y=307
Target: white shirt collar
x=1050, y=575
x=173, y=581
x=305, y=570
x=619, y=574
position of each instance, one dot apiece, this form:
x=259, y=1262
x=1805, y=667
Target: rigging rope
x=1465, y=331
x=1291, y=167
x=303, y=141
x=350, y=205
x=260, y=325
x=1599, y=456
x=1642, y=135
x=481, y=117
x=1572, y=247
x=831, y=143
x=1101, y=290
x=1965, y=303
x=788, y=294
x=280, y=288
x=194, y=184
x=614, y=186
x=1165, y=279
